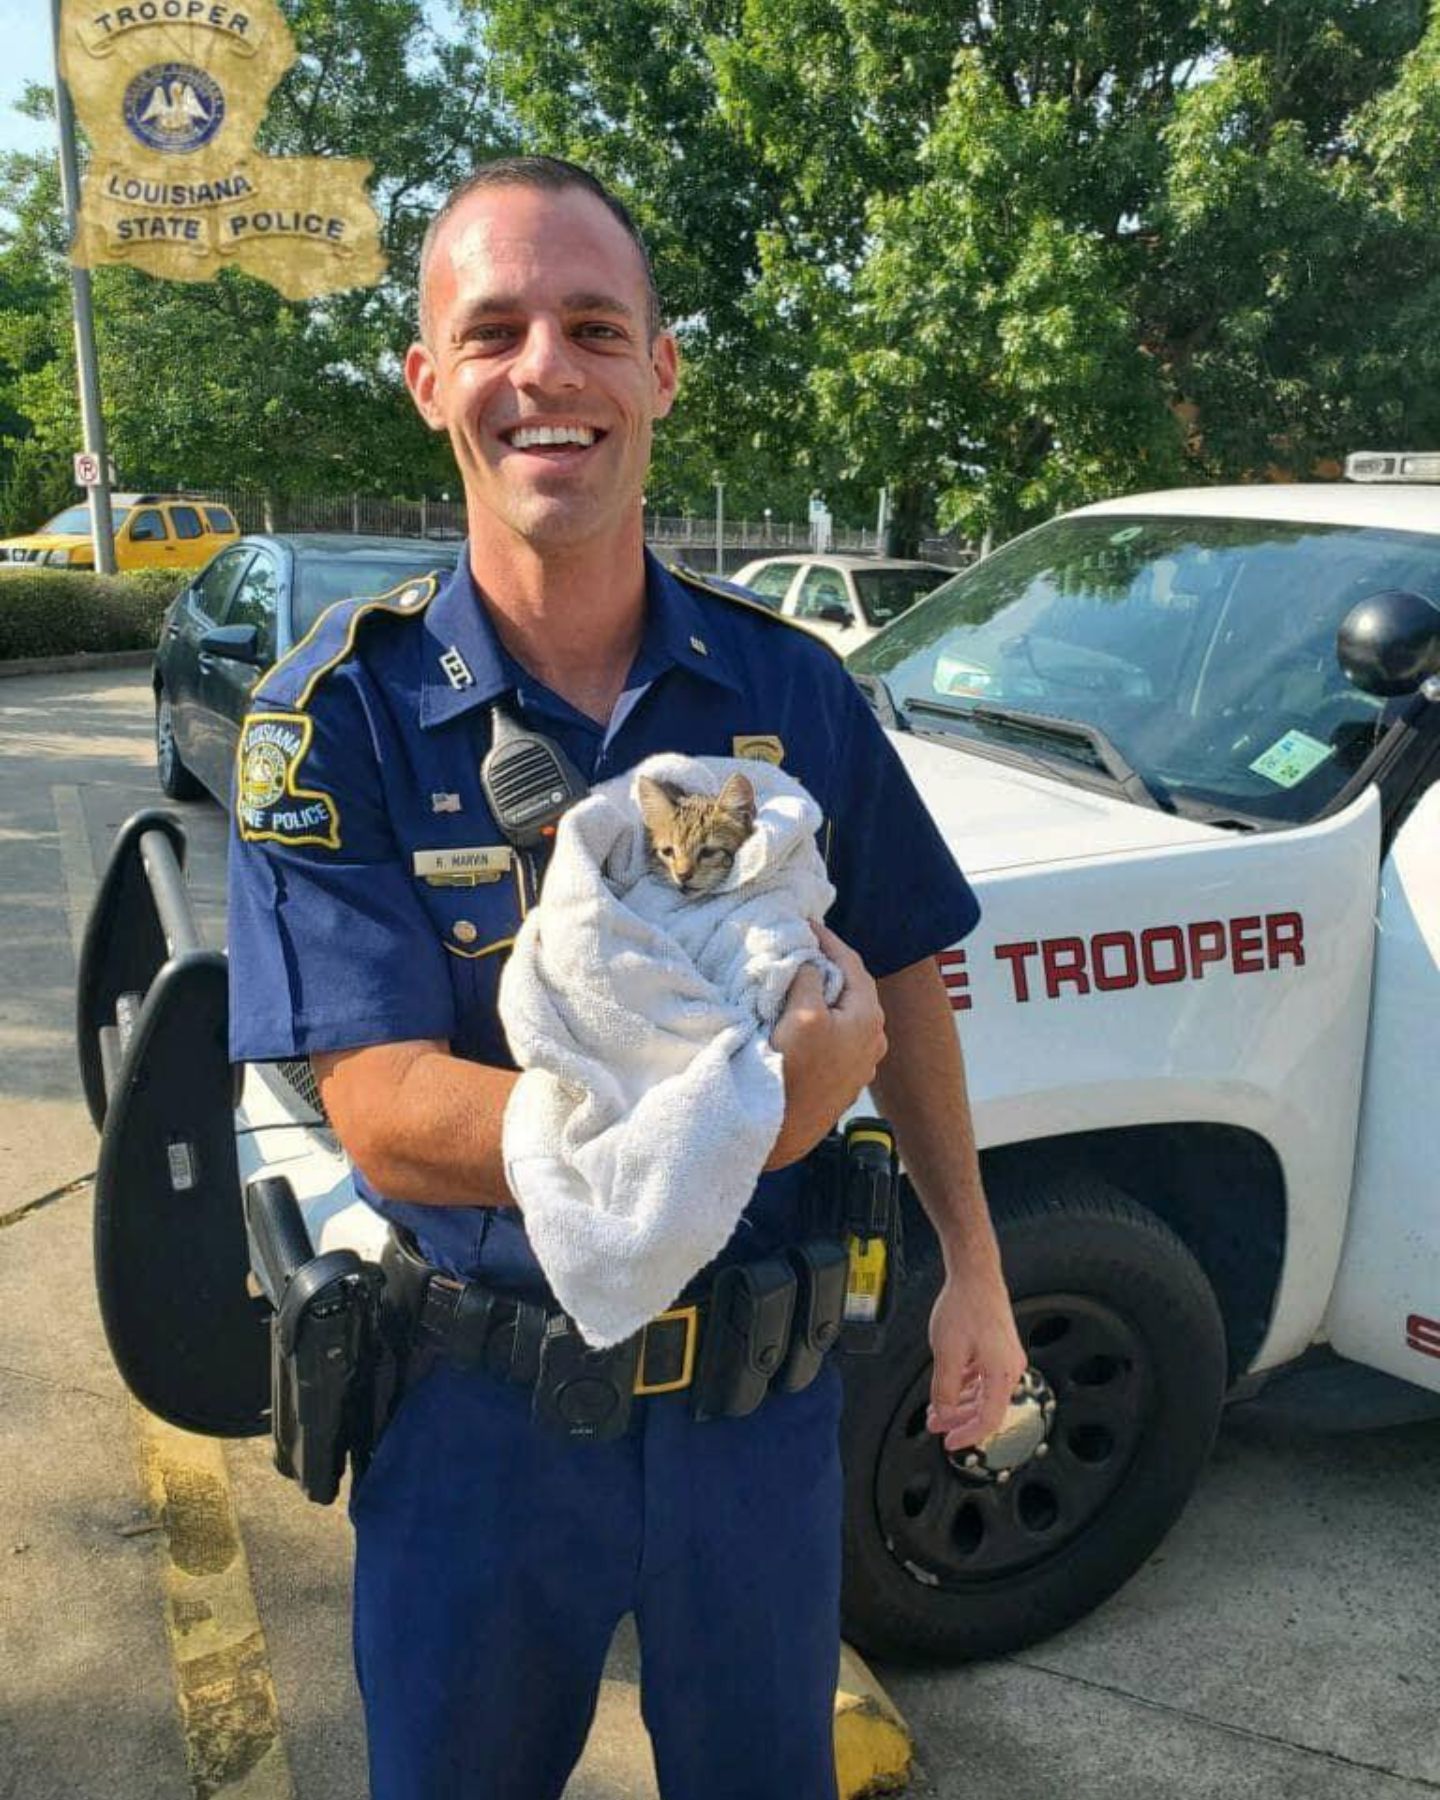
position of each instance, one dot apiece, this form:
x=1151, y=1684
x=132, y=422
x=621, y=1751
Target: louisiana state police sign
x=171, y=93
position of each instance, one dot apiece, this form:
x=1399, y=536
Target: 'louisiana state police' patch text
x=270, y=804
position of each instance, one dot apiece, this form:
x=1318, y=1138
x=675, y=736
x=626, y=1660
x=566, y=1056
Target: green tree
x=1010, y=256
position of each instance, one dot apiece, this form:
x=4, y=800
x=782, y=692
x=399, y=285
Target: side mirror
x=834, y=613
x=236, y=643
x=1389, y=642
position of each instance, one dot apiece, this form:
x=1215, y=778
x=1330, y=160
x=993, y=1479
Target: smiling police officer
x=373, y=897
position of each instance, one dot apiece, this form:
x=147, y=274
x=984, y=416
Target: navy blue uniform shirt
x=359, y=771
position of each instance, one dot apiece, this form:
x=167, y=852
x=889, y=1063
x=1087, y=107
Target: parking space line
x=76, y=863
x=228, y=1710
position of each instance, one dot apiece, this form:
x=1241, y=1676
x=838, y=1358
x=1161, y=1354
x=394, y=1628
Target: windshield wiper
x=1135, y=786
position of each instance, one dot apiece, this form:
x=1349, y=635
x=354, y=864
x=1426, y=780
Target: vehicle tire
x=175, y=779
x=1119, y=1318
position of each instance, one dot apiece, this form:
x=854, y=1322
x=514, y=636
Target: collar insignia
x=457, y=670
x=699, y=646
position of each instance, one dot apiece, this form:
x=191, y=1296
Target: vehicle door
x=226, y=682
x=198, y=610
x=187, y=529
x=145, y=542
x=822, y=604
x=1385, y=1309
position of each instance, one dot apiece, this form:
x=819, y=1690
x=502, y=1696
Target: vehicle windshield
x=1202, y=649
x=75, y=521
x=322, y=580
x=886, y=593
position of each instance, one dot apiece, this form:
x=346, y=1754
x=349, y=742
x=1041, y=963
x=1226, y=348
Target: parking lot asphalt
x=1281, y=1643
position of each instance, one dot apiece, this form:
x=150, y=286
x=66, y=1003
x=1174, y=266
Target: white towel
x=651, y=1096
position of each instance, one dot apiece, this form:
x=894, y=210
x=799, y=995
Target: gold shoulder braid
x=406, y=597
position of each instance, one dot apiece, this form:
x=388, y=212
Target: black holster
x=333, y=1367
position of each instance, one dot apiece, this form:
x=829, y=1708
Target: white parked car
x=1187, y=747
x=845, y=599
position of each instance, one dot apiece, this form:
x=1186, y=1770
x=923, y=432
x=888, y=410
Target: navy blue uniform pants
x=494, y=1560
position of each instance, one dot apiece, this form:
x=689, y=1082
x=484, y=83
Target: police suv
x=1185, y=745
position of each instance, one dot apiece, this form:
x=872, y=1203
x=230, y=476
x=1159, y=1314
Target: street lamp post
x=92, y=420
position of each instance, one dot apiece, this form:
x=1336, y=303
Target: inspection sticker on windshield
x=1288, y=761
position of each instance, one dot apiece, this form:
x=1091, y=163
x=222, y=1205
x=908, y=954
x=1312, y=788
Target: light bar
x=1393, y=465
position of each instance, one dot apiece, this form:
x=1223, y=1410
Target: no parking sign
x=87, y=470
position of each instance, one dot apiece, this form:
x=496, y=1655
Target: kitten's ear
x=738, y=796
x=656, y=807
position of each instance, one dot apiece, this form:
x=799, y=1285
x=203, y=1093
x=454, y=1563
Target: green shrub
x=59, y=612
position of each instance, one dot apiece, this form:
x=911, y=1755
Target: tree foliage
x=1004, y=257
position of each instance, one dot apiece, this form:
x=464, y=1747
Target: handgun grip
x=279, y=1242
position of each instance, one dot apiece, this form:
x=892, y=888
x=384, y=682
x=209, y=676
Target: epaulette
x=739, y=596
x=332, y=638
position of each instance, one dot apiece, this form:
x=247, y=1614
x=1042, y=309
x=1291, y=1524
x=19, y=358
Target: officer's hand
x=831, y=1052
x=979, y=1358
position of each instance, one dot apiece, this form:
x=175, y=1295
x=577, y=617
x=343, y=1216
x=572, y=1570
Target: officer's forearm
x=422, y=1125
x=920, y=1088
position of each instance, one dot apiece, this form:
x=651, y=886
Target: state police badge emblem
x=270, y=804
x=174, y=106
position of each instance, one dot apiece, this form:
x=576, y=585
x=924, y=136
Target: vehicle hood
x=994, y=816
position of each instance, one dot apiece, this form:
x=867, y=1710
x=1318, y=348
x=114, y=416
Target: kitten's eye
x=709, y=853
x=668, y=852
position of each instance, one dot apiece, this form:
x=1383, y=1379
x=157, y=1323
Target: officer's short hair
x=554, y=175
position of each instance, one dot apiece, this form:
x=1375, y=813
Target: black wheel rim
x=950, y=1530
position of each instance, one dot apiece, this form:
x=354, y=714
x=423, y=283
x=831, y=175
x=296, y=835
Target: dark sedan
x=244, y=610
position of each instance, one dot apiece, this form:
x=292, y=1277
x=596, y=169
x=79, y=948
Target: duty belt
x=758, y=1327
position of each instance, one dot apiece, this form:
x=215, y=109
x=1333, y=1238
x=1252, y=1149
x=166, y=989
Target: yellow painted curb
x=873, y=1748
x=228, y=1711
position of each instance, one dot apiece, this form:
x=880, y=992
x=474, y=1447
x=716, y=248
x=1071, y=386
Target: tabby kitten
x=692, y=839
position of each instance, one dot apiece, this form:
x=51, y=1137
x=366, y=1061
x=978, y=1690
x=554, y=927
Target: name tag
x=463, y=868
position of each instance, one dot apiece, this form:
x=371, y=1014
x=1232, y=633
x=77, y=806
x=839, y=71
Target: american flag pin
x=444, y=803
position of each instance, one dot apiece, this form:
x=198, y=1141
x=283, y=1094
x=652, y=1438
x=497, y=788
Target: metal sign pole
x=102, y=527
x=719, y=526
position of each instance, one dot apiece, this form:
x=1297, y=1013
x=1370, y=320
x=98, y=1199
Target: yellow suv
x=152, y=531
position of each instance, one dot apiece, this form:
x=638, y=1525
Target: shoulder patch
x=270, y=804
x=737, y=596
x=331, y=639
